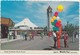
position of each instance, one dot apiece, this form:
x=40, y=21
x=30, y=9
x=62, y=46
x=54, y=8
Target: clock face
x=49, y=10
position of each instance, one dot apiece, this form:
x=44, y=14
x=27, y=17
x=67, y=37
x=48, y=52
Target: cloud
x=72, y=16
x=41, y=12
x=53, y=4
x=76, y=18
x=43, y=8
x=38, y=10
x=20, y=17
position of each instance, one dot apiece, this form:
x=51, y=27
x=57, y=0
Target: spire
x=49, y=8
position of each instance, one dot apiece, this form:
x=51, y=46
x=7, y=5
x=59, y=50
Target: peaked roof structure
x=26, y=22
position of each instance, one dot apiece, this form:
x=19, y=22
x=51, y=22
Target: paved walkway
x=38, y=44
x=5, y=40
x=72, y=45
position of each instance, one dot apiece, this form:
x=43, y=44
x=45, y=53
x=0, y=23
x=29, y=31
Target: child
x=65, y=40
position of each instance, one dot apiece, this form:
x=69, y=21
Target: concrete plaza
x=38, y=44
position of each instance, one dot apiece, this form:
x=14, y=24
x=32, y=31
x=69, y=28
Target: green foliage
x=69, y=29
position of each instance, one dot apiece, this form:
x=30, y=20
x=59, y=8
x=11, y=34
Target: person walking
x=32, y=35
x=41, y=34
x=13, y=35
x=54, y=38
x=25, y=35
x=22, y=35
x=65, y=39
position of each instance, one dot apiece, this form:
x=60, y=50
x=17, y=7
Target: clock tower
x=49, y=15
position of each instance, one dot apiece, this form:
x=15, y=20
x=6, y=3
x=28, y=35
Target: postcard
x=39, y=27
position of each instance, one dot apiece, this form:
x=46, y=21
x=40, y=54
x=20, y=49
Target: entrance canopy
x=25, y=24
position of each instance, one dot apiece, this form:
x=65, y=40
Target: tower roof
x=49, y=8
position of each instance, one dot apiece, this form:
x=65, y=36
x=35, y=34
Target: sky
x=36, y=11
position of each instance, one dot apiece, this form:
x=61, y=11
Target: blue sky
x=37, y=11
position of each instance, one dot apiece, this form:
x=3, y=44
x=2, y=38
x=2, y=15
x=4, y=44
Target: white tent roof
x=25, y=22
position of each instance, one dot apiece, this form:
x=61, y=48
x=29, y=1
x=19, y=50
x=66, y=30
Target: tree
x=69, y=28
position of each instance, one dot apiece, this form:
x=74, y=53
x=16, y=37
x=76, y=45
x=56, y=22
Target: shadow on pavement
x=50, y=48
x=47, y=49
x=53, y=48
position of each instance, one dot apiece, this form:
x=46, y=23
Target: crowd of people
x=52, y=34
x=31, y=35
